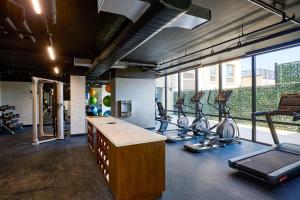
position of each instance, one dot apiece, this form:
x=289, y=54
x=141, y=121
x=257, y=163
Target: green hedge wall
x=287, y=79
x=241, y=103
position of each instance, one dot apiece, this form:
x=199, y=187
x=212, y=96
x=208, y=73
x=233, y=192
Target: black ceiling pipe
x=52, y=11
x=274, y=10
x=221, y=43
x=262, y=39
x=134, y=35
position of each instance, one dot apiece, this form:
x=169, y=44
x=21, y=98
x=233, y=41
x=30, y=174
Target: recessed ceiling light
x=37, y=6
x=56, y=70
x=51, y=52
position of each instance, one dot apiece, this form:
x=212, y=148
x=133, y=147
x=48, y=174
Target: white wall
x=142, y=94
x=77, y=104
x=18, y=94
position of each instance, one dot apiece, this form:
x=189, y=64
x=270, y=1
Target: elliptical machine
x=227, y=131
x=199, y=123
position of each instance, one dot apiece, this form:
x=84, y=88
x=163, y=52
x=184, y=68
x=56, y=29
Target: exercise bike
x=227, y=131
x=162, y=117
x=199, y=123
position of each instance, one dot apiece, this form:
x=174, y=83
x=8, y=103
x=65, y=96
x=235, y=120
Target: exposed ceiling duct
x=164, y=14
x=125, y=64
x=82, y=62
x=195, y=17
x=132, y=9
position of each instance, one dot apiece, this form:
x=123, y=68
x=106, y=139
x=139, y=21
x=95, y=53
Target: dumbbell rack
x=8, y=119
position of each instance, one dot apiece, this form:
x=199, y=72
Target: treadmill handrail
x=276, y=112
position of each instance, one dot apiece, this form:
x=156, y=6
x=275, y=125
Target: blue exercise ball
x=107, y=113
x=93, y=110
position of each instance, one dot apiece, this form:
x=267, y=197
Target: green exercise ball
x=93, y=100
x=106, y=101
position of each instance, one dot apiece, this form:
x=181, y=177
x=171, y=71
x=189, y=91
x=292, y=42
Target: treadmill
x=280, y=162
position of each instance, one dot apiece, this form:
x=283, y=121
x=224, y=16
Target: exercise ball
x=92, y=92
x=93, y=100
x=106, y=101
x=92, y=110
x=108, y=88
x=107, y=113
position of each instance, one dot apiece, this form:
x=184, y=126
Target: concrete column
x=35, y=140
x=41, y=111
x=60, y=111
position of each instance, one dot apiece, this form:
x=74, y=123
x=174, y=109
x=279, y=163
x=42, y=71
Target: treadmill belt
x=268, y=162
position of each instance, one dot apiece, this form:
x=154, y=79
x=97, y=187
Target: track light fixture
x=56, y=70
x=51, y=52
x=37, y=6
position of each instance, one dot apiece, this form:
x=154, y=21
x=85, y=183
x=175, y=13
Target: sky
x=268, y=60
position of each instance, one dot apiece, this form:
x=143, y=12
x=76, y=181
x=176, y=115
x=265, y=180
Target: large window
x=208, y=81
x=230, y=72
x=172, y=91
x=188, y=86
x=238, y=78
x=277, y=73
x=160, y=90
x=213, y=73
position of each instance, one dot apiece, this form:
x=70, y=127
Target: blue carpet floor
x=206, y=175
x=67, y=170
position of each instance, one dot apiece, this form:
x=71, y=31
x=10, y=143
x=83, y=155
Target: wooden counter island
x=131, y=158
